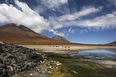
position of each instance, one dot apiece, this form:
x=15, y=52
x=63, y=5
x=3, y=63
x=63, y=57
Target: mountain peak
x=60, y=38
x=12, y=31
x=112, y=43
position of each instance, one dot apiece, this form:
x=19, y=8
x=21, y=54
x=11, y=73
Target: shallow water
x=98, y=54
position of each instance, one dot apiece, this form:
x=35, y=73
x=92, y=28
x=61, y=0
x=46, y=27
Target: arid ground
x=63, y=48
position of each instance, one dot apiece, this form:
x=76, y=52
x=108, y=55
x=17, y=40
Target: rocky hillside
x=15, y=59
x=18, y=61
x=60, y=38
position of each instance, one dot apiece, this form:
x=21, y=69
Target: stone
x=15, y=59
x=1, y=65
x=49, y=72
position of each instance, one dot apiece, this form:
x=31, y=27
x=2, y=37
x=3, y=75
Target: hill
x=57, y=37
x=11, y=32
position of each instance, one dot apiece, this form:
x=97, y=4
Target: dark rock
x=15, y=59
x=35, y=57
x=1, y=51
x=1, y=65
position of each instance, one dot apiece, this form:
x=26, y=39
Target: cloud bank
x=22, y=14
x=105, y=21
x=84, y=12
x=26, y=16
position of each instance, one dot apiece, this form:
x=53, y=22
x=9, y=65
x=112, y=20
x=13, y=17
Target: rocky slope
x=15, y=59
x=60, y=38
x=18, y=61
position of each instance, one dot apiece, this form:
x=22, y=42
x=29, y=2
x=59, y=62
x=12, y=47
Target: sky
x=79, y=21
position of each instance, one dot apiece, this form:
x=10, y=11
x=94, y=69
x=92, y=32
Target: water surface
x=98, y=54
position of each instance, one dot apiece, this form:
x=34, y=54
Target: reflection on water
x=99, y=54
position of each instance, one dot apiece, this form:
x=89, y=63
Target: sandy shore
x=62, y=48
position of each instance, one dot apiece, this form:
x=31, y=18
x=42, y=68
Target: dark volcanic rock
x=14, y=59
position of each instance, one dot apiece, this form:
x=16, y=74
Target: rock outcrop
x=15, y=59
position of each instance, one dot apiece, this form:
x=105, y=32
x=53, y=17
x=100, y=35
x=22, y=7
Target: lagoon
x=97, y=54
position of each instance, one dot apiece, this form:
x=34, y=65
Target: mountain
x=57, y=37
x=113, y=43
x=12, y=33
x=22, y=35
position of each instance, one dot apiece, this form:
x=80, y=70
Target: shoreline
x=63, y=49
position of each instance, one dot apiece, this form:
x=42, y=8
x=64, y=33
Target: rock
x=1, y=65
x=1, y=48
x=49, y=72
x=46, y=59
x=15, y=59
x=74, y=72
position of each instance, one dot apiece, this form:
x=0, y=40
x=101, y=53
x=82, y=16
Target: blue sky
x=80, y=21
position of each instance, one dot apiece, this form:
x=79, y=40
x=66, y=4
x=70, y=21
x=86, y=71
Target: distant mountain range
x=57, y=37
x=12, y=33
x=113, y=43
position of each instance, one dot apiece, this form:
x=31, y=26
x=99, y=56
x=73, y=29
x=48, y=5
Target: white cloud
x=67, y=35
x=71, y=30
x=56, y=25
x=27, y=16
x=113, y=2
x=51, y=4
x=3, y=19
x=57, y=33
x=77, y=15
x=73, y=19
x=54, y=5
x=83, y=30
x=105, y=21
x=24, y=15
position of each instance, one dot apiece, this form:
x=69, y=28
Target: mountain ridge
x=112, y=43
x=60, y=38
x=22, y=35
x=12, y=31
x=14, y=34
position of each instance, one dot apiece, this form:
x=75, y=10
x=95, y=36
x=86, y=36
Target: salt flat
x=62, y=48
